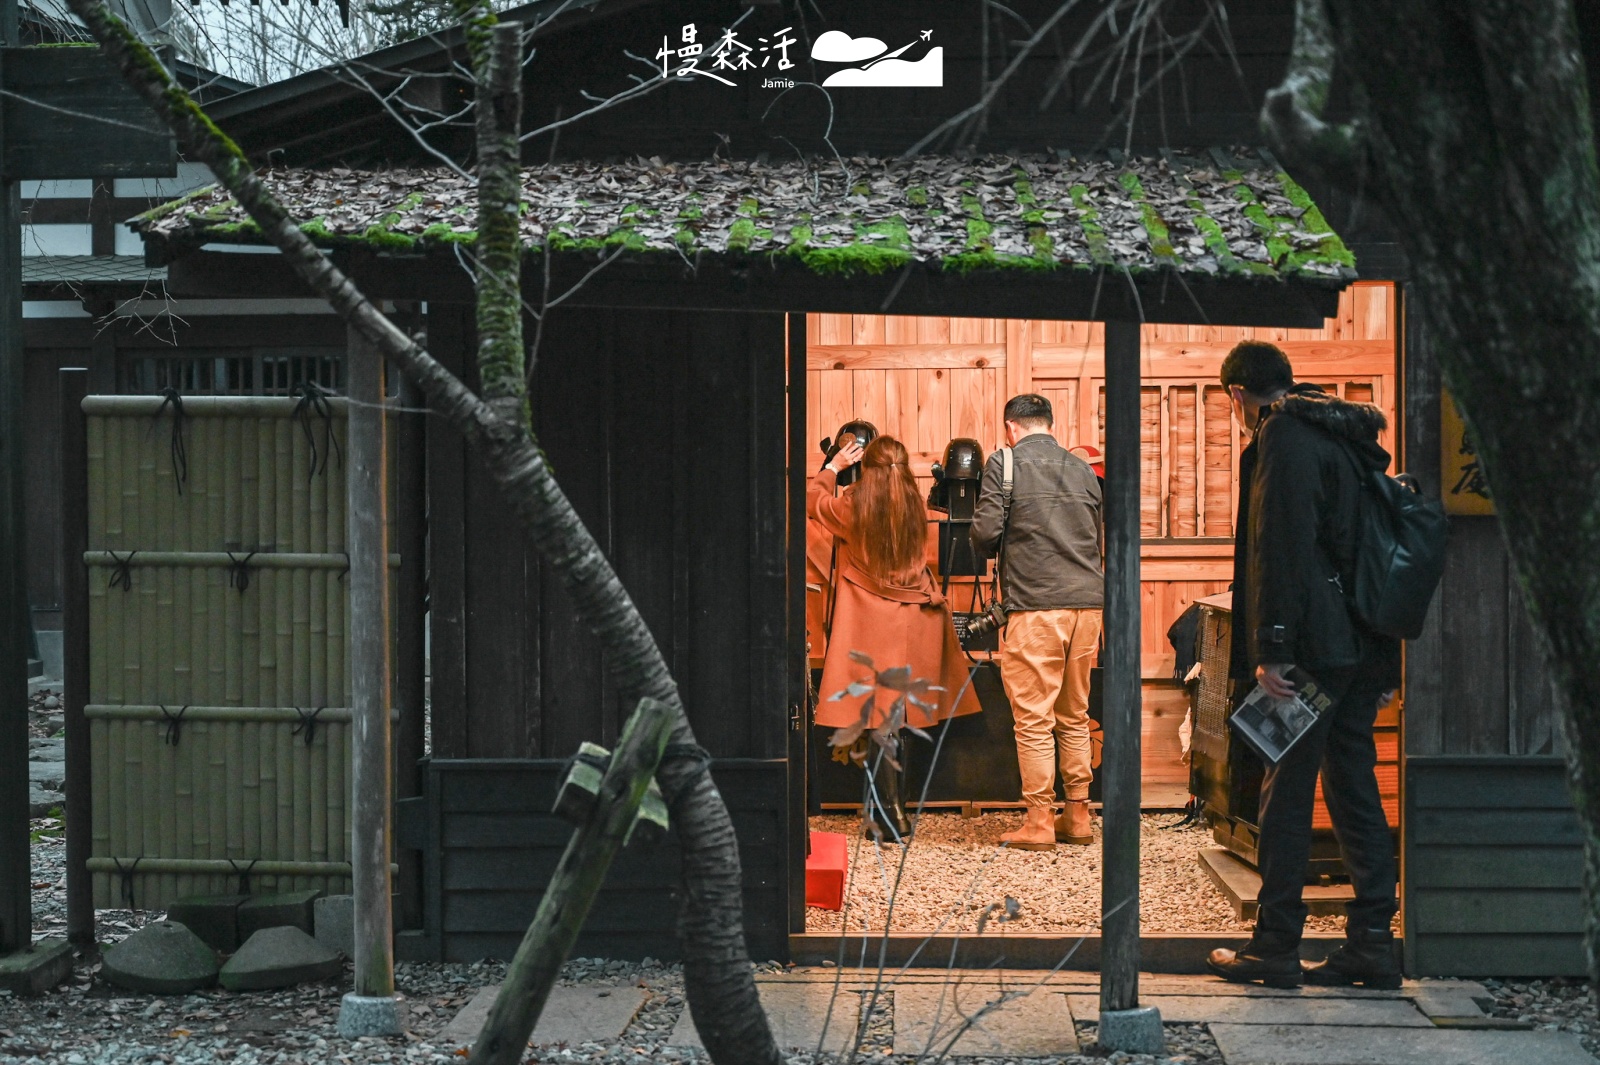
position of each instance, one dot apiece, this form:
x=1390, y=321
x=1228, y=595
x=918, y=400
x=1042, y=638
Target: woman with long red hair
x=886, y=604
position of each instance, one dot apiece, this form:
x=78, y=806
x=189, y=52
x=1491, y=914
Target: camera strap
x=1007, y=479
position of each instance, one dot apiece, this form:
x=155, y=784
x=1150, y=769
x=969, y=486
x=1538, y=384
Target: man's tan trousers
x=1045, y=667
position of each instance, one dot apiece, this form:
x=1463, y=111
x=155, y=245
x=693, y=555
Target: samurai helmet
x=859, y=431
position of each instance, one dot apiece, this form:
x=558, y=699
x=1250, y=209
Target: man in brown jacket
x=1053, y=589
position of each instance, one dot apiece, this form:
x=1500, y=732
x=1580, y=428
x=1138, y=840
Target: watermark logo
x=917, y=64
x=864, y=62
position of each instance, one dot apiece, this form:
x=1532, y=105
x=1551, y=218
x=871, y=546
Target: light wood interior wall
x=926, y=380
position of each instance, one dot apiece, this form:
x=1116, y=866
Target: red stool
x=825, y=870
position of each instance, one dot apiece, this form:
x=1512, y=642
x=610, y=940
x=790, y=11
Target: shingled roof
x=1229, y=214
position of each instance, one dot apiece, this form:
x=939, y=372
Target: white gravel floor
x=955, y=871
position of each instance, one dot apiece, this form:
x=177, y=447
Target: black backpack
x=1399, y=557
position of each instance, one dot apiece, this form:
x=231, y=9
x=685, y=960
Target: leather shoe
x=1267, y=960
x=1366, y=958
x=1073, y=825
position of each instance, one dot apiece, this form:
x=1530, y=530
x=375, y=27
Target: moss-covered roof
x=1227, y=213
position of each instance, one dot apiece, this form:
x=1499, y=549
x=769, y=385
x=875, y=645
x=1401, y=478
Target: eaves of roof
x=1224, y=214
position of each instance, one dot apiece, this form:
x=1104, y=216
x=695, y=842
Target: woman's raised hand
x=846, y=457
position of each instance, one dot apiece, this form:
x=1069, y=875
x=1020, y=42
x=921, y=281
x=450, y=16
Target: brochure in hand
x=1272, y=725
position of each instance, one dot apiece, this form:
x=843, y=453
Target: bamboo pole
x=287, y=560
x=300, y=490
x=266, y=485
x=233, y=732
x=183, y=790
x=338, y=791
x=283, y=827
x=239, y=514
x=371, y=789
x=217, y=789
x=249, y=784
x=300, y=636
x=220, y=867
x=129, y=447
x=573, y=887
x=280, y=715
x=166, y=798
x=197, y=755
x=100, y=809
x=317, y=794
x=133, y=791
x=272, y=737
x=276, y=408
x=73, y=385
x=94, y=468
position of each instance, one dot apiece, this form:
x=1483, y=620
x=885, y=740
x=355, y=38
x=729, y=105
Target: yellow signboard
x=1461, y=478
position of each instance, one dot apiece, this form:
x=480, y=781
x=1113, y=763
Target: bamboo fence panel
x=228, y=638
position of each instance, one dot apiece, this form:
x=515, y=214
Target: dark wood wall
x=1492, y=856
x=667, y=432
x=490, y=844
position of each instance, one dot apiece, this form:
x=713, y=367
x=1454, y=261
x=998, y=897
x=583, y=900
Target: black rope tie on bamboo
x=180, y=454
x=308, y=723
x=127, y=878
x=684, y=752
x=174, y=724
x=121, y=574
x=244, y=875
x=312, y=402
x=346, y=569
x=239, y=571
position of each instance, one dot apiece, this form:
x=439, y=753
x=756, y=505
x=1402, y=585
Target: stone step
x=1269, y=1044
x=571, y=1015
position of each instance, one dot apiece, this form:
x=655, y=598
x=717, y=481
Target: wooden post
x=16, y=903
x=572, y=889
x=1119, y=887
x=411, y=540
x=75, y=652
x=370, y=1009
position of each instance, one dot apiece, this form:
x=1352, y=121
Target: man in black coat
x=1294, y=556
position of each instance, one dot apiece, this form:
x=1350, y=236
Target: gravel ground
x=956, y=872
x=89, y=1022
x=1559, y=1005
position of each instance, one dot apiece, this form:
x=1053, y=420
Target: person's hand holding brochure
x=1271, y=724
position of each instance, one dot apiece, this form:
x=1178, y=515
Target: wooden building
x=680, y=396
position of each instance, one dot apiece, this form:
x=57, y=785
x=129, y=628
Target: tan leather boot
x=1035, y=834
x=1073, y=826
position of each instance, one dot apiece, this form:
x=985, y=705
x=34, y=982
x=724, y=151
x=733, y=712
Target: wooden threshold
x=1159, y=952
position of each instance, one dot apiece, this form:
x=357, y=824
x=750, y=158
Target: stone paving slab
x=1036, y=1024
x=571, y=1015
x=1089, y=983
x=796, y=1013
x=1261, y=1044
x=1204, y=1009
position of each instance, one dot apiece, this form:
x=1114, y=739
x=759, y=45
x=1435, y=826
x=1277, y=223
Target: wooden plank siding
x=490, y=844
x=1492, y=861
x=925, y=380
x=666, y=430
x=1494, y=868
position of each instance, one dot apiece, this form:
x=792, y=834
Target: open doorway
x=928, y=380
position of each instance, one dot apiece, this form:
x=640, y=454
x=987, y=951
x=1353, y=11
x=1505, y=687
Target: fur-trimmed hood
x=1357, y=423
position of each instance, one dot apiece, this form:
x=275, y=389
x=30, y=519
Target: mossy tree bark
x=1471, y=126
x=717, y=972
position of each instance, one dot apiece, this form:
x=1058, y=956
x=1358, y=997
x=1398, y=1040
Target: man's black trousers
x=1341, y=745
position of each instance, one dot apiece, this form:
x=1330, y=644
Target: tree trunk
x=717, y=972
x=1474, y=129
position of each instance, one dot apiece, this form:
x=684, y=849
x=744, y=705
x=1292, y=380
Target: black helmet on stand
x=955, y=480
x=862, y=432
